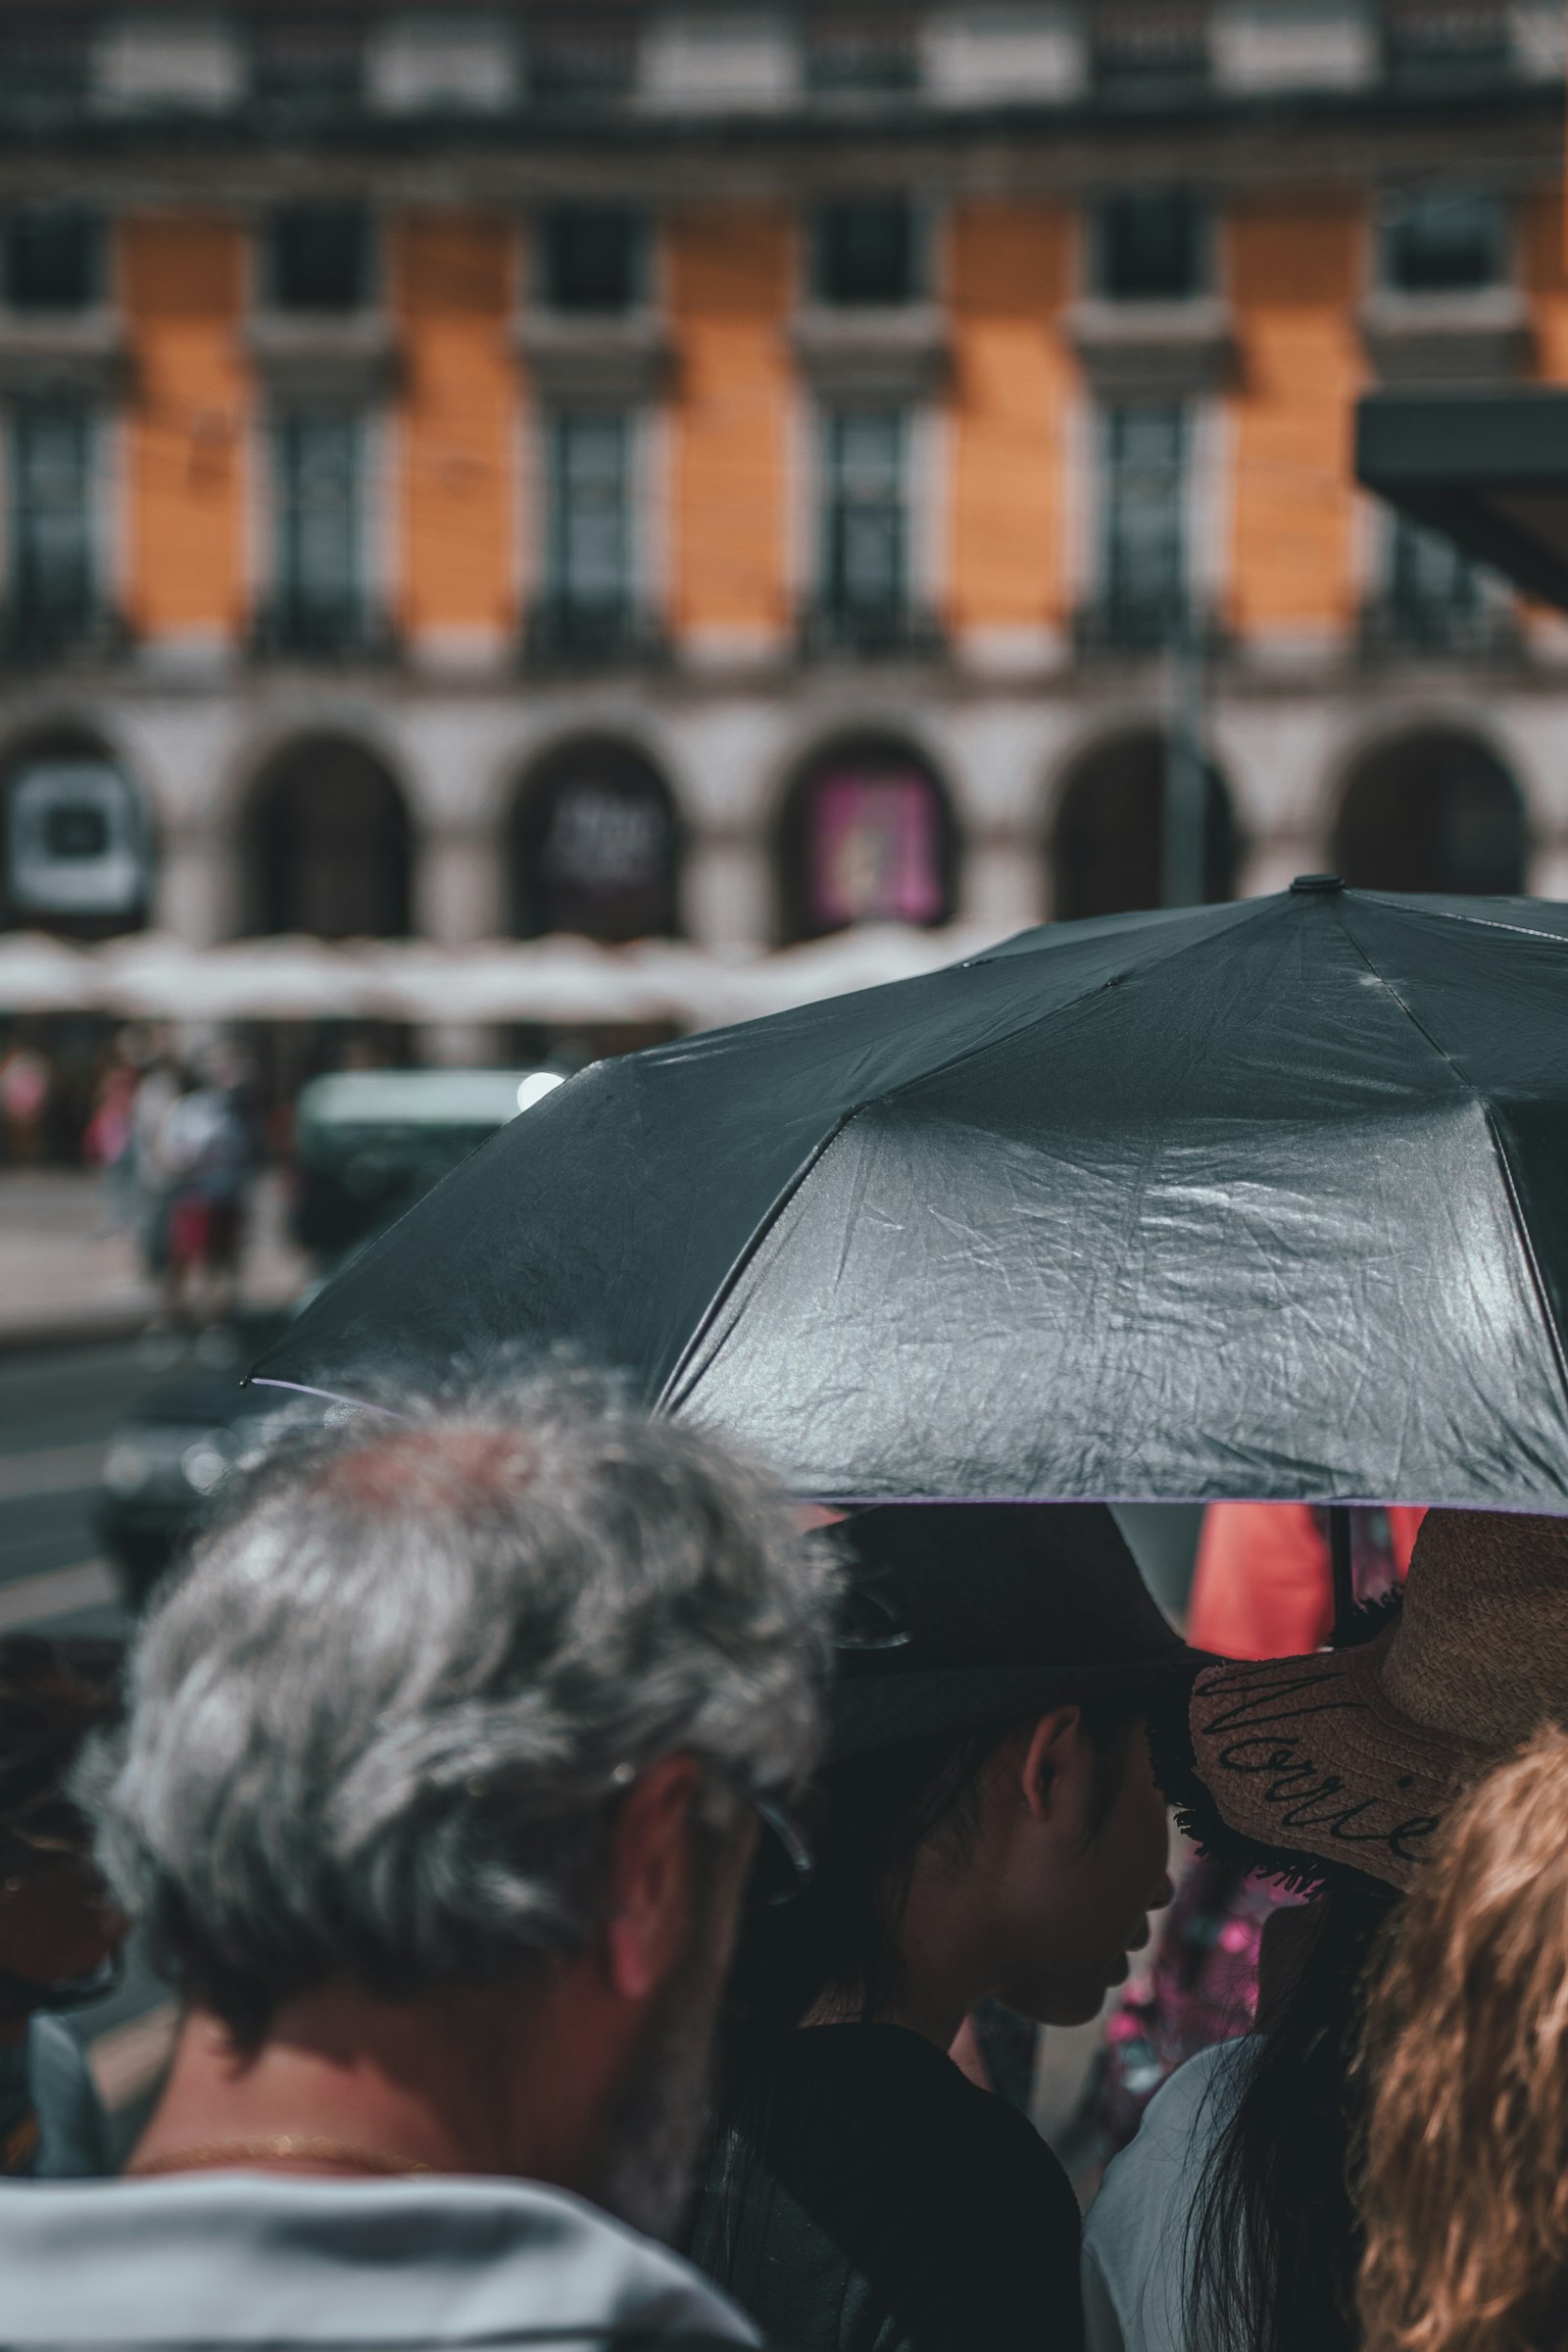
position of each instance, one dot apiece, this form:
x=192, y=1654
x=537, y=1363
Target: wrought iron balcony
x=293, y=626
x=562, y=633
x=1481, y=628
x=1126, y=621
x=308, y=61
x=1148, y=47
x=890, y=630
x=42, y=629
x=580, y=57
x=1444, y=39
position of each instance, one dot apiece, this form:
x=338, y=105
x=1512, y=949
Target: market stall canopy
x=1260, y=1199
x=1489, y=470
x=560, y=982
x=41, y=974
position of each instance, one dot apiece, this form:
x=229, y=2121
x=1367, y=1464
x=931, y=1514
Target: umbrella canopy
x=1267, y=1199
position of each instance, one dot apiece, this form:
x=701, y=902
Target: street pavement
x=66, y=1273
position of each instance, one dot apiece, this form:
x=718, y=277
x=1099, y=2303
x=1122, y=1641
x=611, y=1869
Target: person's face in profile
x=1079, y=1861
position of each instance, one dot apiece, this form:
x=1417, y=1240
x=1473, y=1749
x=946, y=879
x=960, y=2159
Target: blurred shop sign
x=75, y=843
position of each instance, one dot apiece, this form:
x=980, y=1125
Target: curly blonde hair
x=1463, y=2173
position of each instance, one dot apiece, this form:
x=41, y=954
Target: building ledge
x=84, y=356
x=626, y=359
x=1447, y=338
x=350, y=361
x=1172, y=350
x=898, y=354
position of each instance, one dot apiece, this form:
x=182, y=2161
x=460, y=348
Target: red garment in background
x=1263, y=1586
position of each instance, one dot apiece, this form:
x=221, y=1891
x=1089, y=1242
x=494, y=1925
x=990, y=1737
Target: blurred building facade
x=735, y=470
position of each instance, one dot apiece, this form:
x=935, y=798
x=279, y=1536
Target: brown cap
x=1353, y=1756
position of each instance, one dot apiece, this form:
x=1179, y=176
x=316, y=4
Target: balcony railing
x=577, y=57
x=35, y=630
x=1130, y=622
x=1423, y=38
x=561, y=634
x=1396, y=627
x=310, y=62
x=321, y=629
x=863, y=52
x=868, y=631
x=1139, y=47
x=44, y=62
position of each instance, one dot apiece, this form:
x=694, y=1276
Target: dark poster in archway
x=329, y=846
x=868, y=838
x=596, y=847
x=73, y=848
x=1435, y=810
x=1109, y=843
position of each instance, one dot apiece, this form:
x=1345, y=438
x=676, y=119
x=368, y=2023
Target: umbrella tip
x=1308, y=885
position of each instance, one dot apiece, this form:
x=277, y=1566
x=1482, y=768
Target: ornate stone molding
x=898, y=355
x=622, y=360
x=350, y=361
x=83, y=358
x=1447, y=338
x=1152, y=350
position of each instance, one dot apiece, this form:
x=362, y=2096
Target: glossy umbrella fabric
x=1267, y=1199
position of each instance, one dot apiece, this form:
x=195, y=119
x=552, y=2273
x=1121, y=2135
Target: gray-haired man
x=437, y=1792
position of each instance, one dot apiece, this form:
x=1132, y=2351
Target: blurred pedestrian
x=1465, y=2064
x=26, y=1083
x=108, y=1140
x=59, y=1933
x=202, y=1154
x=990, y=1828
x=1231, y=2224
x=157, y=1089
x=441, y=1778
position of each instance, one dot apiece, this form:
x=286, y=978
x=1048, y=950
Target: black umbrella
x=1267, y=1200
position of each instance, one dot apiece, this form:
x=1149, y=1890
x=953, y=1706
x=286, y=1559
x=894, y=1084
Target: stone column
x=729, y=890
x=458, y=898
x=196, y=889
x=1003, y=880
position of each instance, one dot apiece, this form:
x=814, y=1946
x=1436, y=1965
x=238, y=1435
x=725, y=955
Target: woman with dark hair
x=59, y=1933
x=1232, y=2223
x=988, y=1826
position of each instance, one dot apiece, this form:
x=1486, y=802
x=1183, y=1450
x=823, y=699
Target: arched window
x=595, y=847
x=327, y=849
x=1108, y=846
x=1434, y=811
x=75, y=854
x=866, y=837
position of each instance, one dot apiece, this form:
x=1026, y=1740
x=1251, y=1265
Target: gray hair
x=379, y=1724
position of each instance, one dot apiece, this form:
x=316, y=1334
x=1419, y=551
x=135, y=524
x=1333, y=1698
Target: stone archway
x=1108, y=839
x=865, y=835
x=595, y=846
x=328, y=845
x=1434, y=809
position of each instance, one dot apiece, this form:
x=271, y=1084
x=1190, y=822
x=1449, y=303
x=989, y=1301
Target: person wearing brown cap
x=988, y=1825
x=1232, y=2219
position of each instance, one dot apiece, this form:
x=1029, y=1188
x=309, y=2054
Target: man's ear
x=651, y=1878
x=1051, y=1759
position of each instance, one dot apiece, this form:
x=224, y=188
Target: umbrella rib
x=1516, y=1216
x=666, y=1399
x=1475, y=923
x=669, y=1391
